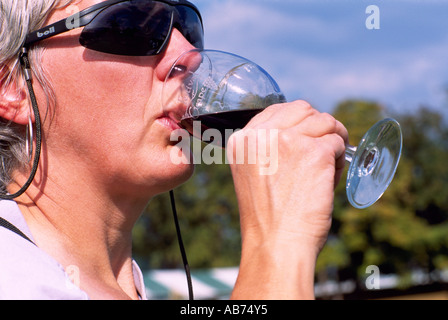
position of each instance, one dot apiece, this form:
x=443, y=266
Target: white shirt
x=29, y=273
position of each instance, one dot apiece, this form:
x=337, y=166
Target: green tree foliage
x=408, y=228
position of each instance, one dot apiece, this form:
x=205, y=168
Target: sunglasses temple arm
x=74, y=21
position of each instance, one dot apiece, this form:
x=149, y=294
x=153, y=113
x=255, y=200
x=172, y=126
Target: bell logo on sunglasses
x=129, y=27
x=46, y=33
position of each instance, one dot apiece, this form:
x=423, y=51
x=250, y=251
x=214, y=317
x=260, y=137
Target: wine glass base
x=374, y=163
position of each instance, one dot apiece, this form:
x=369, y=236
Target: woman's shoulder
x=27, y=272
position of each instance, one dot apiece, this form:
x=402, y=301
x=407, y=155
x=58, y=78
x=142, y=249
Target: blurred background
x=323, y=52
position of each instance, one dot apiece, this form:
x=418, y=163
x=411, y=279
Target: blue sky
x=321, y=50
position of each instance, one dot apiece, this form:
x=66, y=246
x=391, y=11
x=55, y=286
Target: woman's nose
x=176, y=46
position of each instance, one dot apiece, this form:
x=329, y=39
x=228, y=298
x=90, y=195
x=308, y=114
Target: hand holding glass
x=225, y=91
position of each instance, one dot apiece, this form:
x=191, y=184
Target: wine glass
x=224, y=91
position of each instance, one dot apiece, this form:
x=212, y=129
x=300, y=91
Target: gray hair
x=17, y=19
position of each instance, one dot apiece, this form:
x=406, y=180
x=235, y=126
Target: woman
x=106, y=148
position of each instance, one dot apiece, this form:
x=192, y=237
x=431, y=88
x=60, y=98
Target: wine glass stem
x=349, y=153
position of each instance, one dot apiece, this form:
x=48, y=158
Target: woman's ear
x=14, y=102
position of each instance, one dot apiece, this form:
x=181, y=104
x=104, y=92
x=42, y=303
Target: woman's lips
x=168, y=123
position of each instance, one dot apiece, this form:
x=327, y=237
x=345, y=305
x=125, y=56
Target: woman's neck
x=93, y=237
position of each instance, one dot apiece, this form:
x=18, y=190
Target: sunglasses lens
x=191, y=26
x=128, y=29
x=138, y=28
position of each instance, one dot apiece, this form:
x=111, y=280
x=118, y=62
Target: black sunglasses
x=129, y=27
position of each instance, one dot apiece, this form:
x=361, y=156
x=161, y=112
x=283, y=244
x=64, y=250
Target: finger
x=337, y=146
x=321, y=124
x=282, y=116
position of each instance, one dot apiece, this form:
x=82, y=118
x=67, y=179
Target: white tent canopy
x=207, y=284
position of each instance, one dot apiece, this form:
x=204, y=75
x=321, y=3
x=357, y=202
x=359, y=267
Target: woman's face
x=108, y=125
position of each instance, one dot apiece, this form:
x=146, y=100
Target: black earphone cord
x=182, y=248
x=25, y=63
